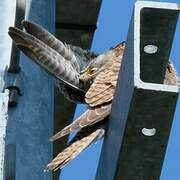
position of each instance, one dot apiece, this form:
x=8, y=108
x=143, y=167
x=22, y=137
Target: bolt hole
x=149, y=132
x=150, y=49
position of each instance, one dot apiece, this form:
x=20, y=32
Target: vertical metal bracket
x=13, y=74
x=14, y=83
x=143, y=107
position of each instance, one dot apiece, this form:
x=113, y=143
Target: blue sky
x=112, y=28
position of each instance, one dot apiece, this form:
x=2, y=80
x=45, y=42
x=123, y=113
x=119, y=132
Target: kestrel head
x=99, y=63
x=96, y=66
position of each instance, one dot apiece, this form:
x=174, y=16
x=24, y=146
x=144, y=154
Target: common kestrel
x=83, y=77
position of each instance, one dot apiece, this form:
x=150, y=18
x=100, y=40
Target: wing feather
x=50, y=40
x=53, y=62
x=104, y=85
x=91, y=116
x=77, y=56
x=75, y=148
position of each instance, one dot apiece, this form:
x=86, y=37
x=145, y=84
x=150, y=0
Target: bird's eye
x=92, y=70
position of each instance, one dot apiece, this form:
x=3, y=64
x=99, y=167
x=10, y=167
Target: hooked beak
x=83, y=75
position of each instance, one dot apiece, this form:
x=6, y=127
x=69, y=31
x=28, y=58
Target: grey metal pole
x=7, y=15
x=7, y=9
x=15, y=54
x=3, y=124
x=30, y=123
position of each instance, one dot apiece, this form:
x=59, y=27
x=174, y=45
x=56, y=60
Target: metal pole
x=15, y=54
x=7, y=15
x=3, y=124
x=30, y=123
x=143, y=107
x=7, y=9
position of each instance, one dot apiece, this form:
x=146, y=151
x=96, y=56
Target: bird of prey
x=82, y=76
